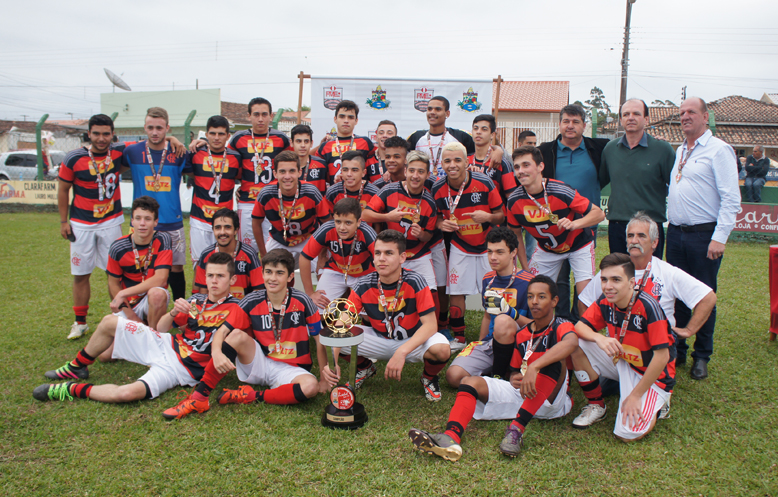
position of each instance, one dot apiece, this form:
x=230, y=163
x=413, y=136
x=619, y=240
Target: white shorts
x=466, y=272
x=267, y=372
x=200, y=238
x=505, y=402
x=439, y=263
x=477, y=358
x=296, y=250
x=141, y=309
x=582, y=261
x=178, y=237
x=652, y=401
x=424, y=266
x=333, y=283
x=246, y=232
x=91, y=248
x=378, y=347
x=136, y=342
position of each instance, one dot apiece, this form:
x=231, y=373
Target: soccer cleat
x=511, y=444
x=590, y=414
x=243, y=395
x=431, y=388
x=457, y=344
x=53, y=391
x=77, y=331
x=440, y=444
x=664, y=412
x=68, y=372
x=364, y=374
x=186, y=407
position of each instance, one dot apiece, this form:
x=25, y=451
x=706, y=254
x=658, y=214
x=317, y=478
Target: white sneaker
x=456, y=345
x=77, y=331
x=664, y=412
x=590, y=414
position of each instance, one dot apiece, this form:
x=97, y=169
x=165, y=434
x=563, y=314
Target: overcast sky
x=52, y=54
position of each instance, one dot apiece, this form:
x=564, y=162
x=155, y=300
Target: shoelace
x=60, y=392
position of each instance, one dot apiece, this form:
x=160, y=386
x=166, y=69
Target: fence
x=508, y=132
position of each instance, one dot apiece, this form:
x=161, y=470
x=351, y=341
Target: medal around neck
x=341, y=330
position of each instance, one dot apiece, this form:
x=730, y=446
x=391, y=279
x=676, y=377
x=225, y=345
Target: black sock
x=502, y=358
x=177, y=282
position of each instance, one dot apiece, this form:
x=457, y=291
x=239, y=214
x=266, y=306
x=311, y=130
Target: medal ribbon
x=258, y=158
x=235, y=253
x=436, y=160
x=217, y=177
x=341, y=151
x=148, y=257
x=278, y=327
x=195, y=312
x=350, y=254
x=625, y=323
x=452, y=204
x=417, y=210
x=398, y=293
x=510, y=283
x=154, y=172
x=545, y=208
x=534, y=344
x=281, y=213
x=100, y=182
x=361, y=189
x=684, y=160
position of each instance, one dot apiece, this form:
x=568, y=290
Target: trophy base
x=344, y=419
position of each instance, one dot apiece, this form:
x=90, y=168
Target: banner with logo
x=29, y=192
x=403, y=101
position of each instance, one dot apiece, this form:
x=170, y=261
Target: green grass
x=722, y=437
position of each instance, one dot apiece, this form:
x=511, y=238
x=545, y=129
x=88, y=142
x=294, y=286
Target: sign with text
x=29, y=192
x=759, y=218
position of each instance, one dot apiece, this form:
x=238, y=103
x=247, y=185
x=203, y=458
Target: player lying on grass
x=266, y=340
x=638, y=351
x=173, y=360
x=505, y=301
x=537, y=386
x=400, y=319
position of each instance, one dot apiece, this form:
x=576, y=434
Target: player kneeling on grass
x=400, y=324
x=638, y=351
x=173, y=359
x=505, y=300
x=350, y=243
x=272, y=349
x=537, y=386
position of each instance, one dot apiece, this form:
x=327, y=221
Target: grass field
x=721, y=439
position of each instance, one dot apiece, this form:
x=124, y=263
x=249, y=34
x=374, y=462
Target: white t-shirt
x=666, y=283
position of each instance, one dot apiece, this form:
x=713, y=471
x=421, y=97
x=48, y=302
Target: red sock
x=82, y=359
x=81, y=312
x=462, y=412
x=81, y=390
x=432, y=368
x=592, y=391
x=211, y=377
x=291, y=393
x=457, y=322
x=544, y=386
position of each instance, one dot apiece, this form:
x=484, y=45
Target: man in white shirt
x=703, y=200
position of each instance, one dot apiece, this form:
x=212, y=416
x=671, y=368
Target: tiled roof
x=655, y=115
x=292, y=116
x=235, y=113
x=736, y=136
x=737, y=109
x=532, y=96
x=770, y=98
x=29, y=127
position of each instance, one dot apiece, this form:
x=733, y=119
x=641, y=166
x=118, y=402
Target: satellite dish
x=117, y=81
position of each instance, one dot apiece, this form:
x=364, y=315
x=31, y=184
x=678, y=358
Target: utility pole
x=625, y=55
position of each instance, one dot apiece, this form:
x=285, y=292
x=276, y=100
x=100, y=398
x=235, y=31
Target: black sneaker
x=68, y=372
x=53, y=391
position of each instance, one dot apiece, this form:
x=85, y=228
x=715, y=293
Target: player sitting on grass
x=638, y=351
x=400, y=319
x=173, y=359
x=272, y=349
x=537, y=386
x=350, y=243
x=505, y=300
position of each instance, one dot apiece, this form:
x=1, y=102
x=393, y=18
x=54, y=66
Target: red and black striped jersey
x=251, y=150
x=248, y=270
x=564, y=201
x=502, y=177
x=415, y=301
x=309, y=212
x=374, y=169
x=542, y=341
x=193, y=346
x=421, y=209
x=87, y=208
x=362, y=244
x=647, y=331
x=122, y=263
x=206, y=200
x=338, y=192
x=301, y=320
x=479, y=194
x=333, y=149
x=316, y=173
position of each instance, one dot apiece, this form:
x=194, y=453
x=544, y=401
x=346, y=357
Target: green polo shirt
x=639, y=177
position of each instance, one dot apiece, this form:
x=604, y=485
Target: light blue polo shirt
x=576, y=168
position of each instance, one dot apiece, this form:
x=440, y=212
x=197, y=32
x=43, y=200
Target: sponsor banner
x=29, y=192
x=758, y=218
x=403, y=101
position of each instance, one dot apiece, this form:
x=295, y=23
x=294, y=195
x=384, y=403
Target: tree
x=597, y=103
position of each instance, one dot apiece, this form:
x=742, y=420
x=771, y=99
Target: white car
x=23, y=165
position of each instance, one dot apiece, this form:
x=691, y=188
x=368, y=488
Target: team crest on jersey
x=295, y=317
x=421, y=98
x=242, y=266
x=378, y=99
x=475, y=197
x=638, y=322
x=656, y=288
x=332, y=97
x=76, y=261
x=313, y=173
x=469, y=102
